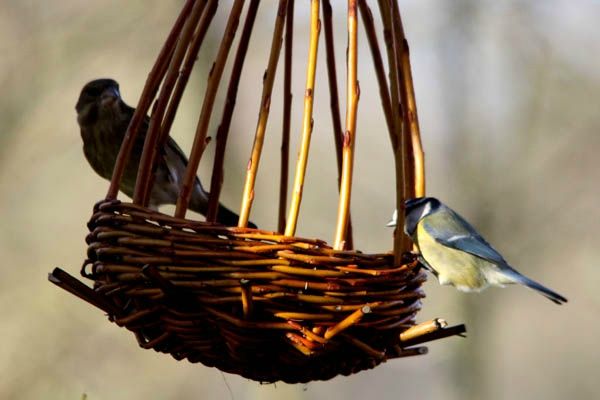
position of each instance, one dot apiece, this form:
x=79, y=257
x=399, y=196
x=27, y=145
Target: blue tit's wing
x=451, y=230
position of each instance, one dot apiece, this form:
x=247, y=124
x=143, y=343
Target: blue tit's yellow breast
x=454, y=267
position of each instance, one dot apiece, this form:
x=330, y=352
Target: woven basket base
x=249, y=302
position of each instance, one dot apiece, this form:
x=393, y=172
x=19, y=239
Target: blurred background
x=508, y=103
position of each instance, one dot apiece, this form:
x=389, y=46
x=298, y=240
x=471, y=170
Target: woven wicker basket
x=265, y=305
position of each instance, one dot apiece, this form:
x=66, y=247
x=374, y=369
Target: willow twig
x=333, y=88
x=384, y=93
x=216, y=181
x=407, y=92
x=302, y=316
x=247, y=303
x=401, y=243
x=186, y=69
x=380, y=355
x=261, y=126
x=150, y=88
x=207, y=106
x=334, y=103
x=406, y=143
x=298, y=344
x=394, y=94
x=307, y=121
x=352, y=95
x=144, y=179
x=287, y=115
x=456, y=330
x=84, y=292
x=350, y=320
x=424, y=328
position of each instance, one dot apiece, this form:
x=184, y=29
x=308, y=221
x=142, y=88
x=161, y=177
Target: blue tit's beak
x=109, y=96
x=394, y=219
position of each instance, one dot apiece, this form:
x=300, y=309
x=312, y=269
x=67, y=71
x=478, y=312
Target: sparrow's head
x=98, y=98
x=417, y=209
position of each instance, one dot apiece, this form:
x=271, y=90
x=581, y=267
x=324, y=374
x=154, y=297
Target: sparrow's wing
x=176, y=162
x=451, y=230
x=172, y=157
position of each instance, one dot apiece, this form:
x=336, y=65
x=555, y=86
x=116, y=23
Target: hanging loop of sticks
x=176, y=60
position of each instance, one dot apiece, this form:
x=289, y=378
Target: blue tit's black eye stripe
x=417, y=202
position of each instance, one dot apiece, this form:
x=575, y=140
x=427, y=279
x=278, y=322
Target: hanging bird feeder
x=266, y=305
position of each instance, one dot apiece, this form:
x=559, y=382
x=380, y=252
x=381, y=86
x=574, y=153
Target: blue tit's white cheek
x=425, y=211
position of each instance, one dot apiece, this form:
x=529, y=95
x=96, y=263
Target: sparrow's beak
x=109, y=96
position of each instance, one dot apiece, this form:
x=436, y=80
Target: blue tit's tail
x=523, y=280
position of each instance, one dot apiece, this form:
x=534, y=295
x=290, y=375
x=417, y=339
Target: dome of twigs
x=265, y=305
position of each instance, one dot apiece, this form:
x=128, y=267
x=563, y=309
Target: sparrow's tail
x=550, y=294
x=227, y=217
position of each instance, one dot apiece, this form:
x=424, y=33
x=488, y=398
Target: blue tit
x=453, y=250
